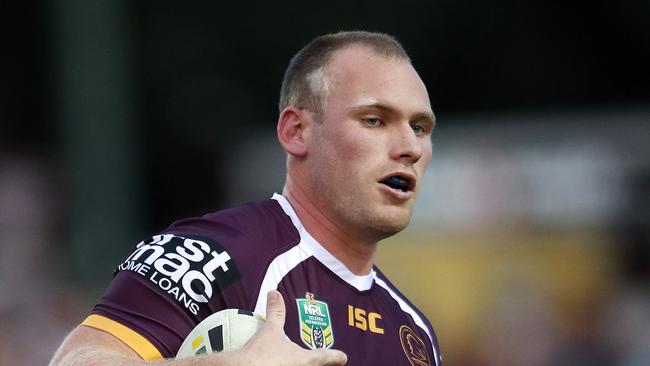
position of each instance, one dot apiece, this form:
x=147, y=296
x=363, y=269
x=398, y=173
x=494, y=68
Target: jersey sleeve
x=198, y=266
x=164, y=289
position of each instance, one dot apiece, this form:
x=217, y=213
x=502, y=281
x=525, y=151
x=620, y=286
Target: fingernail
x=273, y=295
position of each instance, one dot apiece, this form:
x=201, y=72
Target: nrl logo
x=315, y=324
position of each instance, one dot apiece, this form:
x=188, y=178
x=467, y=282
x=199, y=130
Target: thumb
x=330, y=357
x=275, y=310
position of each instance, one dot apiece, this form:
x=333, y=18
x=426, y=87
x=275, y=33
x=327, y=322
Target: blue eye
x=418, y=129
x=372, y=121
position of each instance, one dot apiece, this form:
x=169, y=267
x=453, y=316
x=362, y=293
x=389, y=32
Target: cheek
x=350, y=152
x=427, y=150
x=360, y=154
x=347, y=147
x=426, y=156
x=347, y=140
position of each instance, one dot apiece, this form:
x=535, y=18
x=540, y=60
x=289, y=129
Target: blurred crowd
x=38, y=306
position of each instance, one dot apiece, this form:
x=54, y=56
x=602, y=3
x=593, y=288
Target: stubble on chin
x=366, y=218
x=388, y=225
x=376, y=222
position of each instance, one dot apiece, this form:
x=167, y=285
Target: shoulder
x=420, y=320
x=195, y=267
x=221, y=256
x=260, y=226
x=404, y=303
x=248, y=222
x=244, y=239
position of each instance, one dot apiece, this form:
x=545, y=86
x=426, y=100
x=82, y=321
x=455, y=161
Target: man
x=356, y=122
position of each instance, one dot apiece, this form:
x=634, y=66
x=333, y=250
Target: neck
x=355, y=254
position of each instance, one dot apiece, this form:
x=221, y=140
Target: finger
x=330, y=357
x=275, y=310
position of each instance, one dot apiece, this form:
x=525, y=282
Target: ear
x=291, y=131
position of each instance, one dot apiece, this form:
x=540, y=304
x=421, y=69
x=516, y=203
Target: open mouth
x=398, y=183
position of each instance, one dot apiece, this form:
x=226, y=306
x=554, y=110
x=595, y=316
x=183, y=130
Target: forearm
x=91, y=347
x=100, y=356
x=95, y=356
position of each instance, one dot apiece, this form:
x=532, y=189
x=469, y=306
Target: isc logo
x=363, y=320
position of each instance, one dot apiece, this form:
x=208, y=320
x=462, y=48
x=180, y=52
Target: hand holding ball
x=226, y=330
x=265, y=340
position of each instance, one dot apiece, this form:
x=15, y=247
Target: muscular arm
x=90, y=346
x=270, y=346
x=93, y=347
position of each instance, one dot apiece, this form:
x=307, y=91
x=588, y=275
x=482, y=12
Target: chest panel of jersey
x=367, y=325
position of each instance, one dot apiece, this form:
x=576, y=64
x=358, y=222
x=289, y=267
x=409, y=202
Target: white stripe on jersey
x=408, y=309
x=309, y=244
x=308, y=247
x=279, y=268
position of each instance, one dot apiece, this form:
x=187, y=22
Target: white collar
x=312, y=246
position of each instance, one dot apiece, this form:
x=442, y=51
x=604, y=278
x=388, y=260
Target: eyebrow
x=372, y=103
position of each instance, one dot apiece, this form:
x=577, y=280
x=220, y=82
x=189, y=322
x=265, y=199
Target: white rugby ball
x=225, y=330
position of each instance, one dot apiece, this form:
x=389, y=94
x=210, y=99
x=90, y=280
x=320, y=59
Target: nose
x=405, y=145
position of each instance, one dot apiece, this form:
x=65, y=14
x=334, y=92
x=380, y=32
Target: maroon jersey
x=231, y=259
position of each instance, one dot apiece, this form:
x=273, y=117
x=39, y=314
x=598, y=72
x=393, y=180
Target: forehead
x=357, y=74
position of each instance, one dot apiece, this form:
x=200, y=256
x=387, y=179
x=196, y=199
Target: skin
x=376, y=121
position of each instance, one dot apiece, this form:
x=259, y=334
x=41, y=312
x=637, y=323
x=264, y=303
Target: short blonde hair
x=305, y=83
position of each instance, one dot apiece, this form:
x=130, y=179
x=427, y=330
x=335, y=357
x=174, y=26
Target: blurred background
x=530, y=242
